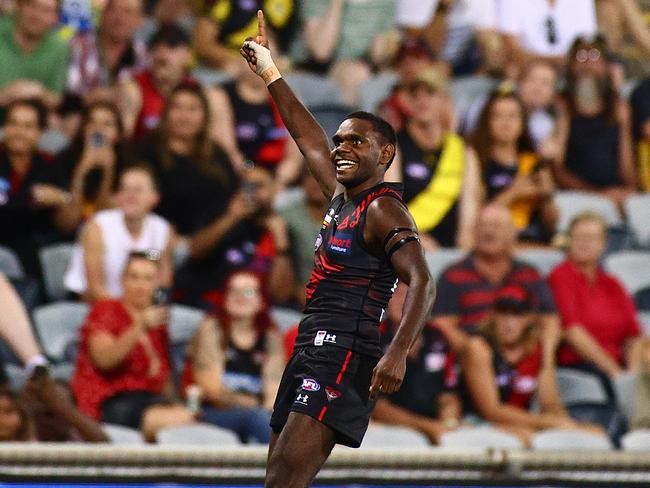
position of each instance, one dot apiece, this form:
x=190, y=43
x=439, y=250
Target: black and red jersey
x=349, y=287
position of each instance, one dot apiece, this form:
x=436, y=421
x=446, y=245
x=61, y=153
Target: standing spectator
x=99, y=60
x=251, y=128
x=596, y=129
x=466, y=290
x=602, y=334
x=122, y=374
x=513, y=175
x=93, y=160
x=440, y=176
x=34, y=61
x=304, y=219
x=33, y=203
x=143, y=95
x=640, y=102
x=427, y=401
x=236, y=357
x=544, y=28
x=111, y=235
x=504, y=368
x=222, y=26
x=345, y=39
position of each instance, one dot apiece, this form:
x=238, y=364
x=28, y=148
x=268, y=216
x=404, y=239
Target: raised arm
x=301, y=124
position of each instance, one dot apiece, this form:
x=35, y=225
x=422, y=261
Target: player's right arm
x=301, y=124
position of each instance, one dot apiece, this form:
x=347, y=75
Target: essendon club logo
x=332, y=394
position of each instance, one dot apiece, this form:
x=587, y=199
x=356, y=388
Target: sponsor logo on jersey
x=332, y=394
x=319, y=241
x=310, y=384
x=341, y=243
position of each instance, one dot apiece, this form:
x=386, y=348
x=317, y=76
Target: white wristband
x=264, y=67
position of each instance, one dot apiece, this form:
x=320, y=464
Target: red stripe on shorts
x=344, y=367
x=321, y=415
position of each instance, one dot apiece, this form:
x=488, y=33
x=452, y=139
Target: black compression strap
x=404, y=240
x=394, y=232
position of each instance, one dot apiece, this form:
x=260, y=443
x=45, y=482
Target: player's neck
x=353, y=192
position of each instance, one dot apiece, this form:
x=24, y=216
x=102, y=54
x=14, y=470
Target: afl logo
x=319, y=241
x=310, y=384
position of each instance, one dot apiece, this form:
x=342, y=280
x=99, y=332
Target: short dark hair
x=34, y=103
x=170, y=34
x=151, y=255
x=142, y=167
x=383, y=128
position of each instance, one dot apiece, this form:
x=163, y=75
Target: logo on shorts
x=302, y=399
x=310, y=384
x=332, y=394
x=322, y=337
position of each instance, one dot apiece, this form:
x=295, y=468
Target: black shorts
x=127, y=407
x=331, y=385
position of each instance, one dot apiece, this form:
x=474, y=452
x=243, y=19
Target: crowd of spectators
x=134, y=132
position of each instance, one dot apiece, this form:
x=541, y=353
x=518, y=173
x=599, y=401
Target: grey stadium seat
x=569, y=440
x=57, y=325
x=466, y=89
x=644, y=320
x=389, y=437
x=624, y=386
x=183, y=322
x=118, y=434
x=54, y=261
x=10, y=264
x=285, y=318
x=544, y=260
x=571, y=203
x=438, y=261
x=577, y=387
x=197, y=434
x=637, y=211
x=314, y=90
x=632, y=268
x=374, y=90
x=636, y=440
x=483, y=437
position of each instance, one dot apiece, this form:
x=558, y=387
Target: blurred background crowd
x=157, y=221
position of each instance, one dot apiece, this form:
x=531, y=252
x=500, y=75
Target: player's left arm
x=390, y=230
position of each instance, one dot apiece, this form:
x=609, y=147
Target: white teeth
x=344, y=164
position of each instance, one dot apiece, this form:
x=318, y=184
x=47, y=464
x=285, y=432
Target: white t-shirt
x=529, y=20
x=478, y=14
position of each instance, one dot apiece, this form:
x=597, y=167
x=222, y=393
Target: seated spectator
x=602, y=334
x=641, y=401
x=462, y=33
x=304, y=219
x=107, y=240
x=345, y=39
x=640, y=103
x=427, y=401
x=466, y=290
x=222, y=26
x=236, y=357
x=143, y=95
x=33, y=203
x=596, y=130
x=441, y=177
x=34, y=61
x=249, y=235
x=99, y=59
x=544, y=28
x=504, y=367
x=513, y=174
x=122, y=374
x=93, y=160
x=251, y=129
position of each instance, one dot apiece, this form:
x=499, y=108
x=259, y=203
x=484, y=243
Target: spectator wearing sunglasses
x=544, y=28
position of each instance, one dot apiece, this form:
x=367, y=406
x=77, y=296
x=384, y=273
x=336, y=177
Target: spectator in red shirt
x=123, y=365
x=602, y=333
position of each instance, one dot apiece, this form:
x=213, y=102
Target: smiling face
x=511, y=327
x=360, y=155
x=21, y=130
x=243, y=299
x=506, y=121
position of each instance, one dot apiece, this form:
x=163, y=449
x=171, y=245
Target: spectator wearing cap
x=601, y=331
x=440, y=176
x=95, y=271
x=143, y=95
x=99, y=59
x=467, y=289
x=33, y=59
x=640, y=102
x=504, y=368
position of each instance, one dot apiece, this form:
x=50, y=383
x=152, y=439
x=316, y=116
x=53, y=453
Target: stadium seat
x=54, y=261
x=571, y=203
x=636, y=440
x=637, y=211
x=577, y=387
x=390, y=437
x=53, y=141
x=624, y=386
x=10, y=264
x=197, y=434
x=330, y=117
x=17, y=376
x=632, y=268
x=465, y=90
x=374, y=90
x=285, y=318
x=314, y=90
x=569, y=440
x=484, y=437
x=210, y=77
x=644, y=320
x=438, y=261
x=57, y=325
x=183, y=322
x=544, y=260
x=118, y=434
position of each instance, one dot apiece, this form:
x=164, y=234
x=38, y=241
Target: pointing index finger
x=261, y=24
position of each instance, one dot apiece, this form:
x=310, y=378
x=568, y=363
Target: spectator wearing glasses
x=595, y=128
x=544, y=28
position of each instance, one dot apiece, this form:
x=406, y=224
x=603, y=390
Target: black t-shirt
x=24, y=227
x=429, y=374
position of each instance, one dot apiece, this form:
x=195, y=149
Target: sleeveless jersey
x=349, y=287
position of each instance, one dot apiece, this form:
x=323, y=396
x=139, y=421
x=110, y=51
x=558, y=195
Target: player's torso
x=350, y=285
